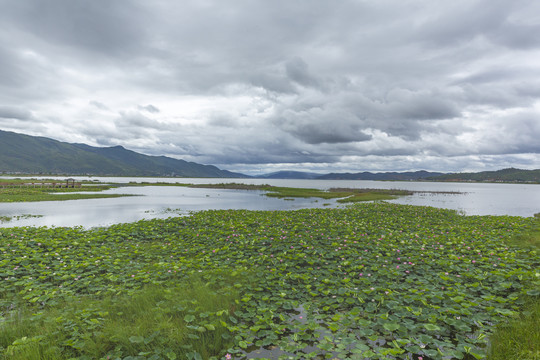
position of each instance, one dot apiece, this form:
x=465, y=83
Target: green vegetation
x=153, y=322
x=20, y=190
x=38, y=155
x=345, y=195
x=4, y=219
x=519, y=338
x=285, y=192
x=23, y=195
x=373, y=280
x=505, y=175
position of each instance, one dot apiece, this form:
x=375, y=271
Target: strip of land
x=25, y=190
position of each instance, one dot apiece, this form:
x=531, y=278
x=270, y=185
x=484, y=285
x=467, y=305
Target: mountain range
x=394, y=176
x=25, y=154
x=504, y=175
x=389, y=176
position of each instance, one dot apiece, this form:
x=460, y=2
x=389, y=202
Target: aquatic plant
x=373, y=280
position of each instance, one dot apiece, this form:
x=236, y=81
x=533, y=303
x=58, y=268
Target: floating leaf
x=391, y=326
x=432, y=327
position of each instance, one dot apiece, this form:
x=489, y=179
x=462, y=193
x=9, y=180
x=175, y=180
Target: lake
x=167, y=201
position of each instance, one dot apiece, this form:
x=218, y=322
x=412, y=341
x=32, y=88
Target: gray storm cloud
x=312, y=85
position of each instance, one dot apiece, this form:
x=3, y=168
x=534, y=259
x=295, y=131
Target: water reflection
x=151, y=202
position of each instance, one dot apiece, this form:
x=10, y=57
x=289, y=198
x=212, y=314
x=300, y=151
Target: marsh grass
x=366, y=197
x=345, y=195
x=154, y=322
x=519, y=338
x=25, y=194
x=284, y=192
x=4, y=219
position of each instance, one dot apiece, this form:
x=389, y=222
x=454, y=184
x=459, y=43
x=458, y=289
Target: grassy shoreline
x=43, y=191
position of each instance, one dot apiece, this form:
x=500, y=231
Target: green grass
x=519, y=338
x=29, y=197
x=366, y=197
x=25, y=194
x=285, y=192
x=154, y=321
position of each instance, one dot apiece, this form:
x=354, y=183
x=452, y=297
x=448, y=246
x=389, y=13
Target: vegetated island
x=371, y=280
x=344, y=195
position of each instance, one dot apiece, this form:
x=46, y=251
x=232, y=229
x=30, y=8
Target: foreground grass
x=153, y=322
x=371, y=281
x=519, y=337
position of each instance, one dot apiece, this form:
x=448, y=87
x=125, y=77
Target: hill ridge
x=20, y=153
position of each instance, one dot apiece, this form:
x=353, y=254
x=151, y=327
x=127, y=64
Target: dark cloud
x=106, y=28
x=98, y=105
x=10, y=72
x=272, y=83
x=317, y=134
x=150, y=108
x=297, y=70
x=519, y=36
x=12, y=112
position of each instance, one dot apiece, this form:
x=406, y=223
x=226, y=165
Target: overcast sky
x=259, y=86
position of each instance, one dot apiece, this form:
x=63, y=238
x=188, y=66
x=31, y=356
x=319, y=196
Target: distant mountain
x=289, y=175
x=395, y=176
x=504, y=175
x=39, y=155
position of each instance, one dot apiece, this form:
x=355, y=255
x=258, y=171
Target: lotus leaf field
x=368, y=281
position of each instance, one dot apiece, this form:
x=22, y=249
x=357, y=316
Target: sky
x=260, y=86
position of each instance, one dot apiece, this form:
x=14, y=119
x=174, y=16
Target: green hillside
x=38, y=155
x=504, y=175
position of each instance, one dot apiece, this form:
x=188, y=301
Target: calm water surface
x=163, y=202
